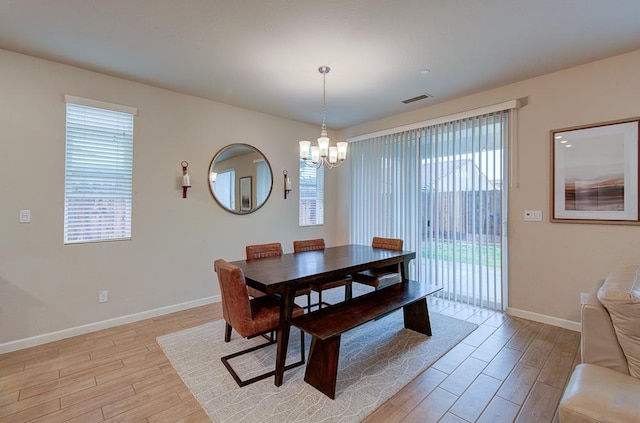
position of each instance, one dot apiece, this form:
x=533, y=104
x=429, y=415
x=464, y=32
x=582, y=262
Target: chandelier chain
x=324, y=70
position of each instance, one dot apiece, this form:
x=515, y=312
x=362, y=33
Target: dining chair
x=250, y=317
x=273, y=249
x=384, y=276
x=318, y=245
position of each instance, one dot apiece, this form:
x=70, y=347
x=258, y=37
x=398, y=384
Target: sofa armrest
x=595, y=394
x=599, y=344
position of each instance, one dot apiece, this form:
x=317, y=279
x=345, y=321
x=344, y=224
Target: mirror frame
x=211, y=190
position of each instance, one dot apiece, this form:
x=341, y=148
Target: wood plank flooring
x=508, y=370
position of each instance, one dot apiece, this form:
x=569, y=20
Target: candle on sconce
x=186, y=179
x=287, y=183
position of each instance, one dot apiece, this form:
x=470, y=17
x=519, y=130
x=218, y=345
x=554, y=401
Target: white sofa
x=605, y=387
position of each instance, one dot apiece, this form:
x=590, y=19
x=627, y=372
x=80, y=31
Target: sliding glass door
x=440, y=189
x=464, y=209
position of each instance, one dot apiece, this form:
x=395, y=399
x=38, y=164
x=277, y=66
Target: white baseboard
x=542, y=318
x=105, y=324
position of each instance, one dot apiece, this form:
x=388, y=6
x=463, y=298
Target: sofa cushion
x=620, y=294
x=598, y=341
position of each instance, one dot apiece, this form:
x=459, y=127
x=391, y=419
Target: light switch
x=25, y=216
x=533, y=215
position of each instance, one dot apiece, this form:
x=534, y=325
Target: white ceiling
x=264, y=54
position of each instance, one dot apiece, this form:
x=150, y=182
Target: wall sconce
x=287, y=184
x=186, y=179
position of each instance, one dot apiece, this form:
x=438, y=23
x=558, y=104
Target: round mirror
x=240, y=178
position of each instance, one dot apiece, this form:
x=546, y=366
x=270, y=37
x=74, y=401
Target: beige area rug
x=376, y=361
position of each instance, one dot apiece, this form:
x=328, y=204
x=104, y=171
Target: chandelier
x=323, y=154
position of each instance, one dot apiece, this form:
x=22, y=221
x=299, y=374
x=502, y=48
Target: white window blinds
x=440, y=189
x=311, y=206
x=98, y=171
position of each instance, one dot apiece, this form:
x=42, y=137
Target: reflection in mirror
x=240, y=178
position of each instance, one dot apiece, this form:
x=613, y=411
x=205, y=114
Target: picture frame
x=594, y=173
x=245, y=193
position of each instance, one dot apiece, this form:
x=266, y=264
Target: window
x=311, y=211
x=98, y=171
x=263, y=181
x=226, y=188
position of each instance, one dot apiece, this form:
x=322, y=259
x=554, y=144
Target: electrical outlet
x=25, y=216
x=584, y=297
x=103, y=296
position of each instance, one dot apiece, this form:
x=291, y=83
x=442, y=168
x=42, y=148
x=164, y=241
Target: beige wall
x=46, y=286
x=551, y=263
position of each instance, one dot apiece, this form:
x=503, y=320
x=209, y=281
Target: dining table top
x=273, y=274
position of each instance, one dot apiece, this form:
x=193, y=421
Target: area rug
x=376, y=361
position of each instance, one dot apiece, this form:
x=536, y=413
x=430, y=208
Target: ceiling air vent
x=418, y=98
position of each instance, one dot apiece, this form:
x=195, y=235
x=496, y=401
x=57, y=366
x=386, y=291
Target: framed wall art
x=594, y=173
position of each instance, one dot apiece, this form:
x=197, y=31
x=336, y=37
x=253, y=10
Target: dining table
x=283, y=275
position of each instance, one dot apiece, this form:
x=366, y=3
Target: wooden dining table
x=284, y=275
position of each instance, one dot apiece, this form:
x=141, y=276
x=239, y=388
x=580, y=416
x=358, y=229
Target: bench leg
x=322, y=365
x=416, y=317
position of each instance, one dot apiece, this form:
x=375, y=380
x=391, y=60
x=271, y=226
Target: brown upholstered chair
x=318, y=245
x=273, y=249
x=249, y=317
x=384, y=276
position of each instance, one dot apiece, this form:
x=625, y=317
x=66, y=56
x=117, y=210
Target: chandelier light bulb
x=333, y=154
x=342, y=150
x=304, y=149
x=315, y=154
x=323, y=145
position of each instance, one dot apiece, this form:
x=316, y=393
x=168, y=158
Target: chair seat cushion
x=254, y=292
x=377, y=278
x=332, y=284
x=266, y=316
x=257, y=293
x=598, y=394
x=303, y=291
x=620, y=294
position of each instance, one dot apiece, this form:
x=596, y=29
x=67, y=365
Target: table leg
x=404, y=270
x=286, y=310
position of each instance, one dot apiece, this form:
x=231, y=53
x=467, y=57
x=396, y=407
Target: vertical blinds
x=439, y=188
x=98, y=172
x=384, y=185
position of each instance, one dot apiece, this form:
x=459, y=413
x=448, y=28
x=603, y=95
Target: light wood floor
x=508, y=370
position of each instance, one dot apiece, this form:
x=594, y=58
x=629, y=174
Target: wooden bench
x=327, y=324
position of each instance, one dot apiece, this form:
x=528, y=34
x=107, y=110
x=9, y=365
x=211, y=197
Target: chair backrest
x=259, y=251
x=387, y=243
x=308, y=245
x=236, y=308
